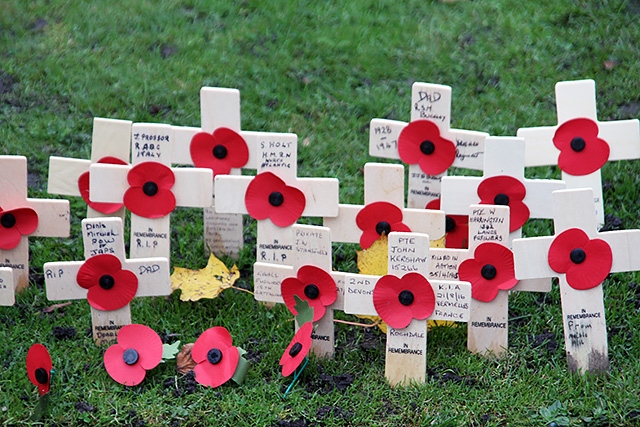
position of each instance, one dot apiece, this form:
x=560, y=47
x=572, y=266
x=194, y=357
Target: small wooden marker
x=111, y=139
x=105, y=236
x=577, y=100
x=7, y=290
x=583, y=312
x=151, y=143
x=430, y=102
x=53, y=217
x=406, y=353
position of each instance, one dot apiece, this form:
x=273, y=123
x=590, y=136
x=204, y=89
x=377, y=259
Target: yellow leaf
x=205, y=283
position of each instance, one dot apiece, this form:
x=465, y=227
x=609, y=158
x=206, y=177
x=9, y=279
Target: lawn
x=322, y=70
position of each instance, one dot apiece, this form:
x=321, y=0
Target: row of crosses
x=497, y=204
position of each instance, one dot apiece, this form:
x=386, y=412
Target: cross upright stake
x=595, y=142
x=150, y=189
x=111, y=143
x=7, y=290
x=103, y=237
x=503, y=182
x=22, y=217
x=406, y=352
x=430, y=103
x=582, y=258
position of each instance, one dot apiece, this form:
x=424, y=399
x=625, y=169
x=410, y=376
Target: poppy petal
x=216, y=337
x=257, y=196
x=501, y=258
x=26, y=220
x=322, y=279
x=367, y=238
x=491, y=190
x=370, y=215
x=145, y=341
x=157, y=206
x=387, y=305
x=38, y=357
x=410, y=143
x=291, y=210
x=129, y=375
x=9, y=238
x=290, y=363
x=214, y=375
x=95, y=267
x=592, y=155
x=561, y=247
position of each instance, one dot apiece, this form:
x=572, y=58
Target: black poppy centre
x=501, y=199
x=8, y=220
x=295, y=349
x=130, y=356
x=578, y=144
x=220, y=152
x=150, y=188
x=276, y=198
x=427, y=147
x=214, y=356
x=449, y=224
x=383, y=227
x=488, y=271
x=406, y=297
x=577, y=256
x=311, y=291
x=106, y=282
x=42, y=376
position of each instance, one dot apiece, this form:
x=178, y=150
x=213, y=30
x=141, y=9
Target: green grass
x=321, y=70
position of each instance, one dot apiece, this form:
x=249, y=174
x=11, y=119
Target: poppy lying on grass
x=39, y=367
x=138, y=350
x=297, y=349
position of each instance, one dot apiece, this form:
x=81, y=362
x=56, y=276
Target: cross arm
x=153, y=276
x=530, y=258
x=64, y=174
x=624, y=136
x=267, y=279
x=466, y=193
x=383, y=138
x=53, y=217
x=7, y=292
x=358, y=294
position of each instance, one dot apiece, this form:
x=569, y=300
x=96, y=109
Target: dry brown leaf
x=184, y=361
x=53, y=307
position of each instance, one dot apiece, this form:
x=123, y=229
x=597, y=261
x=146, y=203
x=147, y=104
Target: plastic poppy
x=399, y=300
x=216, y=357
x=586, y=262
x=110, y=287
x=149, y=194
x=83, y=187
x=420, y=142
x=581, y=151
x=377, y=219
x=456, y=227
x=490, y=270
x=313, y=285
x=268, y=196
x=14, y=224
x=138, y=350
x=297, y=349
x=507, y=191
x=39, y=367
x=219, y=151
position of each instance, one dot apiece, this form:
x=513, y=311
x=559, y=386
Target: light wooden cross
x=406, y=352
x=277, y=153
x=577, y=100
x=583, y=316
x=430, y=102
x=105, y=236
x=384, y=182
x=7, y=290
x=111, y=139
x=504, y=156
x=150, y=237
x=53, y=217
x=312, y=246
x=219, y=108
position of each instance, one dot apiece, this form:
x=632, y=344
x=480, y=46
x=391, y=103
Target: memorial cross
x=150, y=189
x=427, y=143
x=580, y=144
x=106, y=278
x=7, y=290
x=406, y=348
x=582, y=258
x=503, y=182
x=110, y=143
x=22, y=217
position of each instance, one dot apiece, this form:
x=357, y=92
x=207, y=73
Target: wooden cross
x=52, y=218
x=111, y=140
x=583, y=316
x=151, y=145
x=384, y=182
x=577, y=100
x=105, y=236
x=431, y=102
x=504, y=157
x=7, y=291
x=277, y=154
x=405, y=360
x=312, y=246
x=219, y=108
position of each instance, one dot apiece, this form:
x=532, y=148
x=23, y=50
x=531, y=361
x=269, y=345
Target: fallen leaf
x=184, y=361
x=205, y=283
x=53, y=307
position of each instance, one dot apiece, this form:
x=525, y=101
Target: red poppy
x=149, y=194
x=420, y=142
x=399, y=300
x=507, y=191
x=83, y=186
x=110, y=287
x=297, y=350
x=14, y=224
x=377, y=219
x=216, y=357
x=268, y=196
x=490, y=270
x=313, y=285
x=456, y=227
x=586, y=262
x=219, y=151
x=138, y=350
x=581, y=151
x=39, y=367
